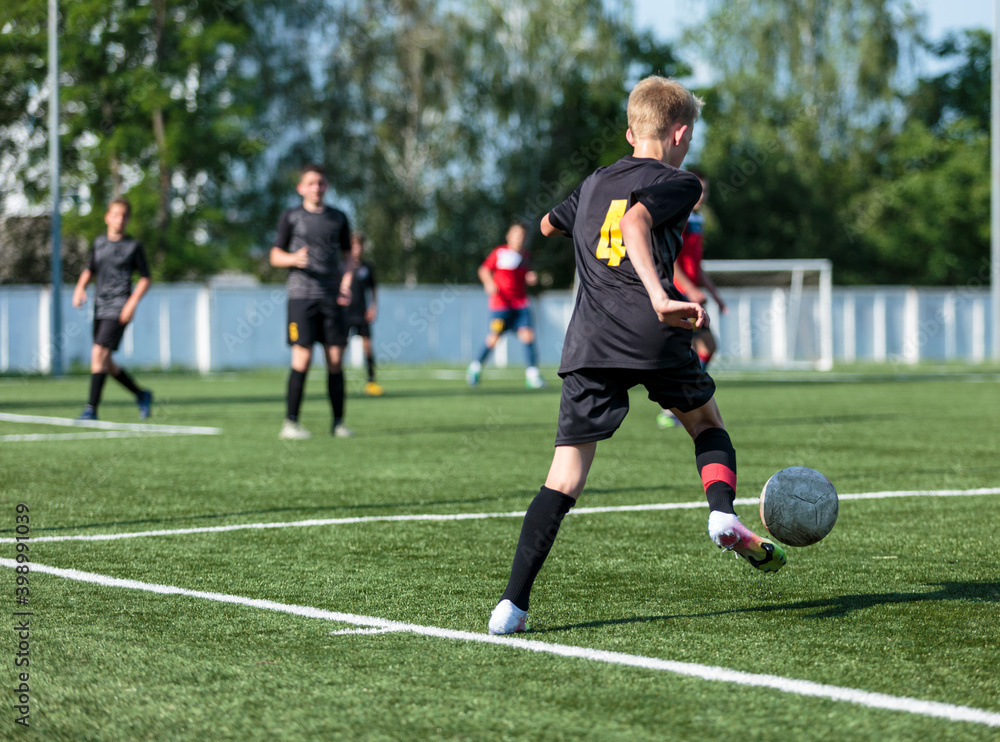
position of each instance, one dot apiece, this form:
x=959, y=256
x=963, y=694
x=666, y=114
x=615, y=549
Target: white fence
x=216, y=328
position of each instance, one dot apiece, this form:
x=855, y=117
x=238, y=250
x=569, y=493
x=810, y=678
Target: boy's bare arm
x=344, y=299
x=547, y=229
x=487, y=278
x=128, y=311
x=635, y=227
x=284, y=259
x=709, y=285
x=80, y=292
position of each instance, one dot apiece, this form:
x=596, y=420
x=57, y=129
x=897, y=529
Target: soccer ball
x=798, y=506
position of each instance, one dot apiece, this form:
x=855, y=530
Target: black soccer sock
x=96, y=387
x=538, y=532
x=716, y=460
x=335, y=388
x=296, y=386
x=484, y=354
x=126, y=381
x=370, y=360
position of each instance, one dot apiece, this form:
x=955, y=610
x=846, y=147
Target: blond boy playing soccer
x=631, y=326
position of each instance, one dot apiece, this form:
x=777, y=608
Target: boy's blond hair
x=657, y=103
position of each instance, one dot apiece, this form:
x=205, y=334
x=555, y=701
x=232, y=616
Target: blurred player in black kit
x=114, y=257
x=312, y=242
x=362, y=313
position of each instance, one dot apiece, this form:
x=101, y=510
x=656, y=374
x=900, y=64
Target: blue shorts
x=502, y=320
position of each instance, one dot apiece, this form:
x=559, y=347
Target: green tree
x=807, y=94
x=446, y=121
x=924, y=215
x=159, y=103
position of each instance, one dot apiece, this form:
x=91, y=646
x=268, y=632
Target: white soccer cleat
x=293, y=431
x=472, y=373
x=730, y=534
x=341, y=431
x=507, y=618
x=533, y=379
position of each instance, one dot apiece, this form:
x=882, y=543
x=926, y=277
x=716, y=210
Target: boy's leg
x=335, y=389
x=99, y=358
x=704, y=345
x=366, y=345
x=372, y=388
x=301, y=357
x=563, y=485
x=497, y=326
x=143, y=397
x=716, y=460
x=533, y=378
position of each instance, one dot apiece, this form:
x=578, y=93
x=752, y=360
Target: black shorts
x=108, y=332
x=316, y=321
x=359, y=327
x=595, y=400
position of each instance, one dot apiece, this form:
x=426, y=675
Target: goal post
x=780, y=312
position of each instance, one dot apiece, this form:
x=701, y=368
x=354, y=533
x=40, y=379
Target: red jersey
x=692, y=248
x=508, y=267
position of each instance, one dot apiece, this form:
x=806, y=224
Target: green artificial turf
x=901, y=598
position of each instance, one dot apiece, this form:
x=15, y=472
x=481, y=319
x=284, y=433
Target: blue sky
x=669, y=17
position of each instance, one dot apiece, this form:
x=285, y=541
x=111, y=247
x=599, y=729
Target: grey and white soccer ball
x=798, y=506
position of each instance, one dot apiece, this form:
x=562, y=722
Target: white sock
x=719, y=523
x=531, y=372
x=475, y=366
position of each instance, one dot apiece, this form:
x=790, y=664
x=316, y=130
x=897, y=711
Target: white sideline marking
x=85, y=436
x=704, y=672
x=141, y=428
x=477, y=516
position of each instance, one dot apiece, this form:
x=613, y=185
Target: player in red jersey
x=506, y=273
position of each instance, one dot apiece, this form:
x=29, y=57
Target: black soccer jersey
x=613, y=323
x=112, y=265
x=326, y=234
x=362, y=287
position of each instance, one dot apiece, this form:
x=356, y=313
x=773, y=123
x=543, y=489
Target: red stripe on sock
x=704, y=357
x=718, y=473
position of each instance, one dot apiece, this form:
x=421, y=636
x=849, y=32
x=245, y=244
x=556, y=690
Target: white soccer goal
x=780, y=313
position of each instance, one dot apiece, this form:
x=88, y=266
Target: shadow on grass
x=835, y=607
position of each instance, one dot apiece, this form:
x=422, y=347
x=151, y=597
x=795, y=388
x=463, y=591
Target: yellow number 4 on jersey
x=611, y=247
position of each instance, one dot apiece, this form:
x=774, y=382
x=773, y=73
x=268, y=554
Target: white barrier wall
x=215, y=328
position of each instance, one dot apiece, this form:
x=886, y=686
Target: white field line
x=477, y=516
x=704, y=672
x=27, y=437
x=148, y=428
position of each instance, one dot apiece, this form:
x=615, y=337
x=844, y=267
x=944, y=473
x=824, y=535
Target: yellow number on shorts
x=611, y=247
x=293, y=331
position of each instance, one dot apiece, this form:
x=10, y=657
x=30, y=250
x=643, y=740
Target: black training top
x=112, y=265
x=613, y=323
x=327, y=235
x=362, y=287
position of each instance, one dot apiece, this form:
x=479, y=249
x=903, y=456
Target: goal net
x=780, y=313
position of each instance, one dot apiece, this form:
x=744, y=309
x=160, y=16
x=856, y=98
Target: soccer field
x=206, y=581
